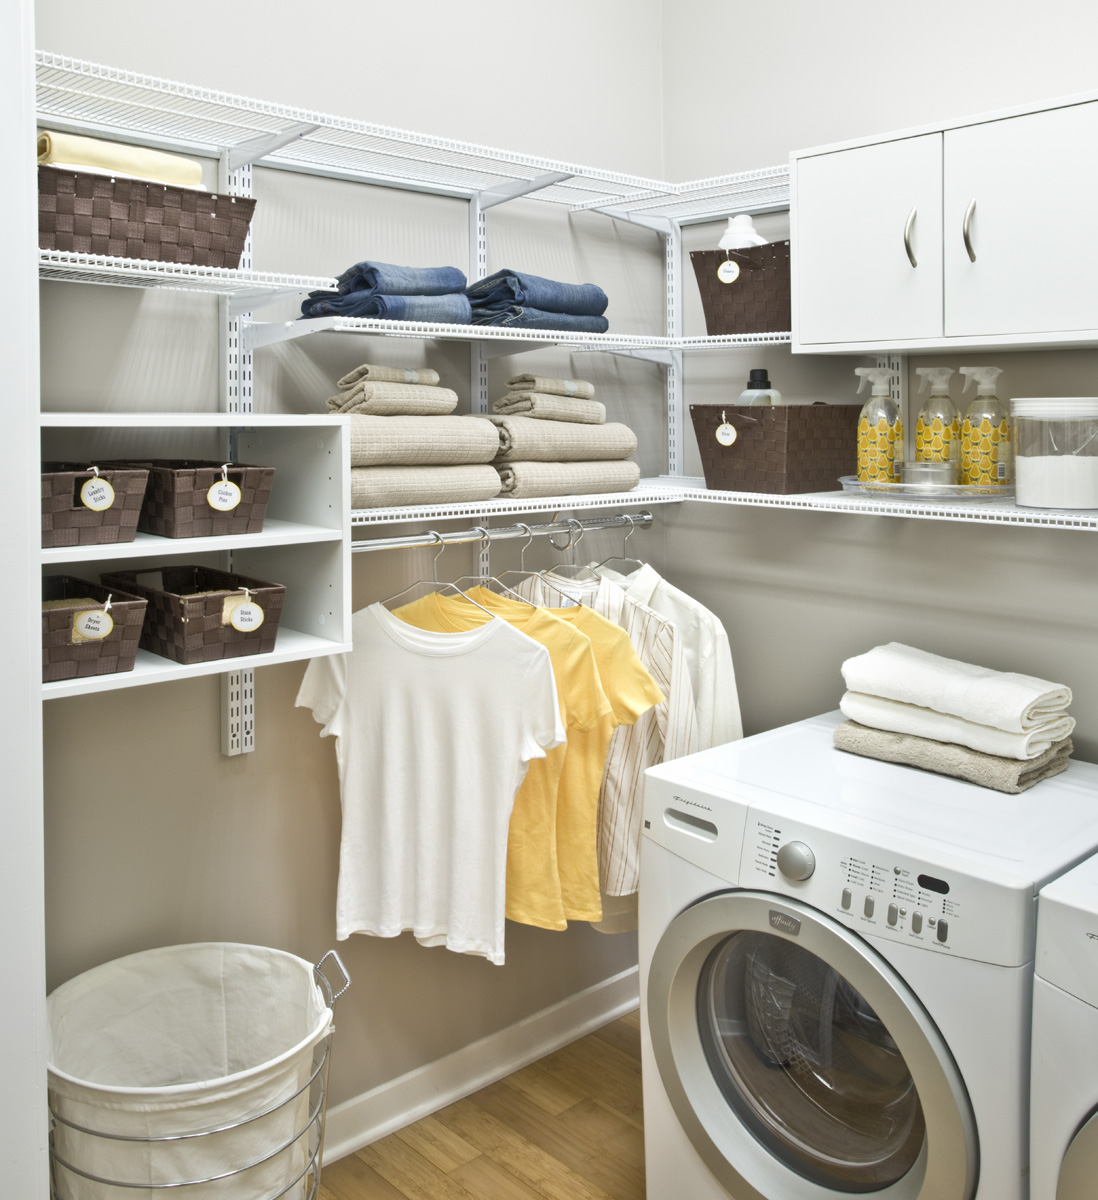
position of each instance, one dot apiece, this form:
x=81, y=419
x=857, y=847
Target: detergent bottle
x=938, y=428
x=880, y=429
x=985, y=432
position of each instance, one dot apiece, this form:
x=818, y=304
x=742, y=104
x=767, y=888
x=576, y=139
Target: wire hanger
x=540, y=575
x=561, y=569
x=434, y=583
x=625, y=542
x=477, y=581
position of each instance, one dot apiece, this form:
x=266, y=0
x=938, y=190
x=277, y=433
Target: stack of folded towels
x=406, y=448
x=554, y=441
x=994, y=728
x=392, y=293
x=522, y=301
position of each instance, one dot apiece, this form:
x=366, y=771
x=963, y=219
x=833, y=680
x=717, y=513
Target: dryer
x=837, y=971
x=1064, y=1113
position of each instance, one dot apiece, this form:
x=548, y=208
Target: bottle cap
x=758, y=380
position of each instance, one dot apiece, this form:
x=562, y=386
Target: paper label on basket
x=726, y=434
x=97, y=494
x=728, y=271
x=224, y=495
x=91, y=625
x=242, y=613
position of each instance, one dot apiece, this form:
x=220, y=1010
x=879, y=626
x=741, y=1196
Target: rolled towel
x=988, y=770
x=522, y=439
x=507, y=287
x=391, y=487
x=394, y=400
x=419, y=441
x=370, y=373
x=530, y=480
x=1002, y=699
x=388, y=279
x=898, y=717
x=442, y=310
x=73, y=150
x=517, y=317
x=580, y=388
x=544, y=407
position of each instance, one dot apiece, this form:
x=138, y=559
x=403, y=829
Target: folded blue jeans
x=506, y=288
x=386, y=279
x=450, y=309
x=518, y=317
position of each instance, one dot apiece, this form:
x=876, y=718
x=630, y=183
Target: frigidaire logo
x=692, y=803
x=785, y=922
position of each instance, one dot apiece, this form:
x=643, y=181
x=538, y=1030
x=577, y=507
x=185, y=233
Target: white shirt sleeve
x=719, y=707
x=543, y=727
x=323, y=690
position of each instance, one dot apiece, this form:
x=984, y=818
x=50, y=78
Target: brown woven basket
x=758, y=301
x=132, y=218
x=67, y=522
x=176, y=504
x=66, y=658
x=186, y=618
x=783, y=449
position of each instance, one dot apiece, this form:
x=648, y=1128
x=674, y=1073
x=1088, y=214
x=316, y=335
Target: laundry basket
x=194, y=1072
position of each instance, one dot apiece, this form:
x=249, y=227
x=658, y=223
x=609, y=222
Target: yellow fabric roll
x=72, y=149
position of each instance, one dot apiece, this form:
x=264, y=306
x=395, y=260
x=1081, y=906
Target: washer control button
x=893, y=914
x=932, y=921
x=869, y=906
x=796, y=861
x=943, y=931
x=916, y=922
x=848, y=897
x=903, y=912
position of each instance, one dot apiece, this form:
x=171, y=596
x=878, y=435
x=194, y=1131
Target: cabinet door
x=855, y=279
x=1034, y=180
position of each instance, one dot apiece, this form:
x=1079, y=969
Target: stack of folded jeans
x=392, y=293
x=998, y=729
x=521, y=301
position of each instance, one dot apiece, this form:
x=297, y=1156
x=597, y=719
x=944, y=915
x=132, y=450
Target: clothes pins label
x=224, y=495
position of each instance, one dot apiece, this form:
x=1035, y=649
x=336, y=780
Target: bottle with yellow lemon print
x=985, y=432
x=938, y=428
x=880, y=430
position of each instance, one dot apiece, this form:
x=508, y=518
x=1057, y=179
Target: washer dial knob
x=796, y=861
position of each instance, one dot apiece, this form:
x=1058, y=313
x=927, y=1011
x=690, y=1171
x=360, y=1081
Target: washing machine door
x=1079, y=1169
x=798, y=1062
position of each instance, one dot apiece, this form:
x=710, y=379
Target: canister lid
x=1055, y=407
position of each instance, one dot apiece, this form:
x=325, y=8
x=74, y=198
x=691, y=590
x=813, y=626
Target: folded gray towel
x=420, y=441
x=375, y=374
x=530, y=480
x=394, y=400
x=579, y=388
x=1010, y=775
x=522, y=439
x=545, y=407
x=391, y=487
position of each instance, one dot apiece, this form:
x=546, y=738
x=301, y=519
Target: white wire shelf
x=763, y=190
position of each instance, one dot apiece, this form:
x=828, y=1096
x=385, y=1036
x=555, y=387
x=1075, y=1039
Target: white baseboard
x=390, y=1106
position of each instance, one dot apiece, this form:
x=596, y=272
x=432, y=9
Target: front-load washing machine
x=1064, y=1112
x=837, y=971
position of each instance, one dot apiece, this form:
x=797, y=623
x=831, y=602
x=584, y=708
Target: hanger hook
x=526, y=545
x=485, y=536
x=632, y=530
x=576, y=527
x=438, y=553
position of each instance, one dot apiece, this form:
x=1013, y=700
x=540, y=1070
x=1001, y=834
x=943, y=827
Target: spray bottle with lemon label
x=938, y=429
x=985, y=432
x=880, y=430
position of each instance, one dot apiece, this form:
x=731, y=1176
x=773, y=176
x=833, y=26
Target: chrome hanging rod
x=430, y=538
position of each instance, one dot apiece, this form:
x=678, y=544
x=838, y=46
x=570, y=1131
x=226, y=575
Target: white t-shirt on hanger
x=434, y=733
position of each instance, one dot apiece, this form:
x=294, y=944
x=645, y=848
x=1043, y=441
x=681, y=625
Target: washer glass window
x=807, y=1064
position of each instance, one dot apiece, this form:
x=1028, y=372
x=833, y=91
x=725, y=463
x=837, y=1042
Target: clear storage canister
x=1056, y=452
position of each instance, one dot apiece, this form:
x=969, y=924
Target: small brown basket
x=133, y=218
x=783, y=449
x=65, y=655
x=67, y=521
x=757, y=301
x=188, y=618
x=177, y=505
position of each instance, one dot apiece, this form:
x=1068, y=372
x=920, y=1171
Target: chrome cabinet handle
x=966, y=229
x=907, y=237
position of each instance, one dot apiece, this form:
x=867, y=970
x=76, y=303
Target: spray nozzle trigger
x=936, y=377
x=878, y=376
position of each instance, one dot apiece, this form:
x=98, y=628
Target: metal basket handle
x=333, y=996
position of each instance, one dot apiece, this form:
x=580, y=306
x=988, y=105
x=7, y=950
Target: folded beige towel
x=419, y=441
x=71, y=149
x=389, y=487
x=529, y=480
x=551, y=408
x=987, y=770
x=522, y=439
x=579, y=388
x=375, y=374
x=394, y=400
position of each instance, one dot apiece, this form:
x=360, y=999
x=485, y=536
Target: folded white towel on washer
x=897, y=717
x=1002, y=699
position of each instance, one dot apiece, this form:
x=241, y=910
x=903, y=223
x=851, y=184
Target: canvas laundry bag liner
x=180, y=1040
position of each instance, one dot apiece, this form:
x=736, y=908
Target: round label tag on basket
x=224, y=495
x=246, y=616
x=726, y=434
x=97, y=494
x=728, y=271
x=92, y=625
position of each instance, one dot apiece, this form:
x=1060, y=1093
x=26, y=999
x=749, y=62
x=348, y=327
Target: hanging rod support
x=257, y=298
x=254, y=149
x=500, y=193
x=662, y=225
x=505, y=532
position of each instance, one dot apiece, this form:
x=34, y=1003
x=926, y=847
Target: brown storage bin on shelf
x=67, y=656
x=187, y=619
x=783, y=449
x=176, y=504
x=757, y=301
x=66, y=521
x=133, y=218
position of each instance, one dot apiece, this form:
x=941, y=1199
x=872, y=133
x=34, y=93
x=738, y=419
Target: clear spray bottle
x=880, y=429
x=985, y=432
x=938, y=428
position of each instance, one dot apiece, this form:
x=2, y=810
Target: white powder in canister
x=1056, y=481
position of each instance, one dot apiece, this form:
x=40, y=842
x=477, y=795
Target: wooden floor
x=565, y=1128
